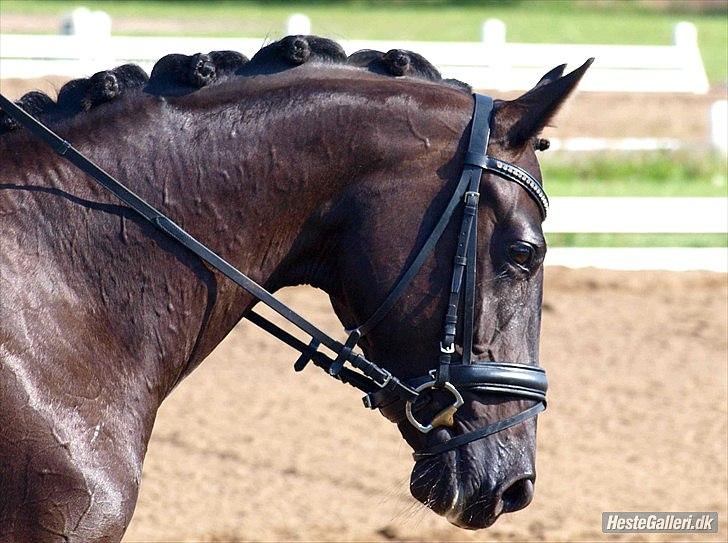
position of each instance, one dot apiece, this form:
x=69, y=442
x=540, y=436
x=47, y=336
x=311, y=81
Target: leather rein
x=383, y=389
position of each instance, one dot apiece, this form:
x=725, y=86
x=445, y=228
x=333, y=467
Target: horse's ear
x=532, y=111
x=551, y=76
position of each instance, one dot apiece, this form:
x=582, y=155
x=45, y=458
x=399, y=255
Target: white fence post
x=494, y=33
x=719, y=125
x=91, y=31
x=84, y=22
x=685, y=38
x=494, y=40
x=298, y=23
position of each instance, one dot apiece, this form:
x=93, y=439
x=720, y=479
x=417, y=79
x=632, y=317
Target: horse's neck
x=244, y=186
x=249, y=185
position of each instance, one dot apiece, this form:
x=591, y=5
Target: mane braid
x=36, y=103
x=81, y=95
x=293, y=51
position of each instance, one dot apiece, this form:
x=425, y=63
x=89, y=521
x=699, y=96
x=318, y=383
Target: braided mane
x=177, y=74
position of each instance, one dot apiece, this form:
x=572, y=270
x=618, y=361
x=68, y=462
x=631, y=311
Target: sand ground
x=245, y=449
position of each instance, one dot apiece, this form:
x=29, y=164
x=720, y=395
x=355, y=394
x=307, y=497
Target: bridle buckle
x=444, y=417
x=447, y=350
x=472, y=197
x=387, y=378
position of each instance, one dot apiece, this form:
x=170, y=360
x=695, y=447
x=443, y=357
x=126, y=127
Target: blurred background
x=635, y=311
x=650, y=119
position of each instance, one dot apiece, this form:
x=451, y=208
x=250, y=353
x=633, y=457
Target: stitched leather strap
x=518, y=380
x=518, y=175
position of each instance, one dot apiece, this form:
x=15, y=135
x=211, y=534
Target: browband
x=513, y=173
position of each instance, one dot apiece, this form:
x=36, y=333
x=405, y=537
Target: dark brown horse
x=321, y=174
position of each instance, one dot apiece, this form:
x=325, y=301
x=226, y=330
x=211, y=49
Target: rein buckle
x=446, y=417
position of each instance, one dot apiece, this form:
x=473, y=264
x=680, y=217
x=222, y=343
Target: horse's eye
x=521, y=253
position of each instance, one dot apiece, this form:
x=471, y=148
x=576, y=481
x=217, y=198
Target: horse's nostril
x=518, y=495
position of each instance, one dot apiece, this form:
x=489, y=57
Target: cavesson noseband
x=383, y=390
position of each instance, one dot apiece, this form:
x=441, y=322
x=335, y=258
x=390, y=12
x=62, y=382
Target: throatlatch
x=395, y=398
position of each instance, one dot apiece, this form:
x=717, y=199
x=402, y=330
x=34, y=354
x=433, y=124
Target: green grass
x=554, y=21
x=636, y=174
x=637, y=240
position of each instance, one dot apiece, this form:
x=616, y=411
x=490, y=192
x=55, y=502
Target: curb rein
x=383, y=390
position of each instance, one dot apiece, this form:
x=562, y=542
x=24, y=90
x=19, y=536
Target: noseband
x=383, y=390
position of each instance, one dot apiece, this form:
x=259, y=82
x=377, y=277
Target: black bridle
x=383, y=390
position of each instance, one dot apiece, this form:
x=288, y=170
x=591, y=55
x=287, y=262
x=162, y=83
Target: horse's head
x=387, y=220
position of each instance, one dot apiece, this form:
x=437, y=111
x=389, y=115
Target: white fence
x=640, y=258
x=639, y=215
x=492, y=63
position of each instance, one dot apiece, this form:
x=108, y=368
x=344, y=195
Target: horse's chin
x=453, y=491
x=437, y=483
x=468, y=518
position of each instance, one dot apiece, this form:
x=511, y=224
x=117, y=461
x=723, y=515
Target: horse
x=320, y=174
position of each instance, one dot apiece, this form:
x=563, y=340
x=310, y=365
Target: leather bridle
x=383, y=389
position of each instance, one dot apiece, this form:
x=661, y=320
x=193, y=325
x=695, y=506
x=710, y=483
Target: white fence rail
x=492, y=63
x=639, y=215
x=641, y=258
